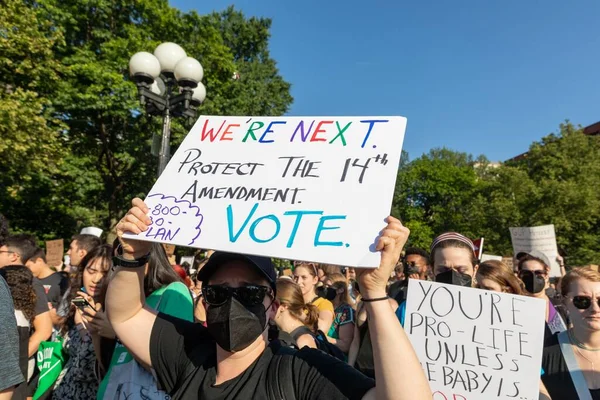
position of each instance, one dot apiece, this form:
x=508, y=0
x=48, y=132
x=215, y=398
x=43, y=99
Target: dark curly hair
x=20, y=281
x=103, y=252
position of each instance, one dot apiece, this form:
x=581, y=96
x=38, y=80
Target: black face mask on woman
x=533, y=283
x=328, y=293
x=453, y=277
x=235, y=326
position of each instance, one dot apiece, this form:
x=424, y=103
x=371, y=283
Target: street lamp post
x=168, y=83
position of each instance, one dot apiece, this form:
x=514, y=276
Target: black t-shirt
x=556, y=374
x=184, y=358
x=41, y=304
x=55, y=287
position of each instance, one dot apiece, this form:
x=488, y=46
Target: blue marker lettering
x=299, y=215
x=322, y=227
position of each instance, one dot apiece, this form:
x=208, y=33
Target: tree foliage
x=556, y=183
x=75, y=144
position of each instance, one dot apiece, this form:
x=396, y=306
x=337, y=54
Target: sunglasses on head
x=250, y=295
x=584, y=302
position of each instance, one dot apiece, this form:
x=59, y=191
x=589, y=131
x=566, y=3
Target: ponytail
x=311, y=318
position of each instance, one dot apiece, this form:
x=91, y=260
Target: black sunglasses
x=250, y=295
x=584, y=302
x=538, y=272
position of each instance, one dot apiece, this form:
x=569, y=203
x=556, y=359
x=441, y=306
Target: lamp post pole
x=169, y=86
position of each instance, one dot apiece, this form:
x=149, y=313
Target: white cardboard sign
x=488, y=257
x=307, y=188
x=541, y=238
x=475, y=344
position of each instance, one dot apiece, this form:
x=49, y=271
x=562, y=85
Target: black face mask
x=328, y=293
x=453, y=277
x=235, y=326
x=533, y=283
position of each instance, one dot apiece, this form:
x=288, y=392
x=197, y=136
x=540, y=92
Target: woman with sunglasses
x=232, y=358
x=295, y=317
x=534, y=269
x=306, y=276
x=571, y=359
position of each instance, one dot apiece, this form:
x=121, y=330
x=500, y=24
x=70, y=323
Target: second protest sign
x=475, y=344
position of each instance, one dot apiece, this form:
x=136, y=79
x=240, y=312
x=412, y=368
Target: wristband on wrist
x=119, y=261
x=375, y=299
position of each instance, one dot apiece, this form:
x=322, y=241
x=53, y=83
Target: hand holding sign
x=373, y=282
x=135, y=221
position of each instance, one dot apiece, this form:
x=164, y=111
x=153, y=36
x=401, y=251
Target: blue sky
x=480, y=76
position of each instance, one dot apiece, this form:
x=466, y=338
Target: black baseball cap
x=263, y=265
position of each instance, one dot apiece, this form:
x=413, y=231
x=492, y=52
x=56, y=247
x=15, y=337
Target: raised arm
x=395, y=380
x=125, y=295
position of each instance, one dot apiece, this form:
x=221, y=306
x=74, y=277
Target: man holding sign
x=232, y=358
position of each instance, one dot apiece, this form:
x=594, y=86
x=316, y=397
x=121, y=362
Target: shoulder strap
x=277, y=374
x=576, y=375
x=299, y=331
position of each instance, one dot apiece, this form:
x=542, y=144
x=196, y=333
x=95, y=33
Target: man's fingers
x=125, y=227
x=135, y=220
x=137, y=202
x=141, y=215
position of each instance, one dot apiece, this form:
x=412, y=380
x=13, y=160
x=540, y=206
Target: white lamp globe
x=188, y=72
x=158, y=87
x=168, y=55
x=144, y=66
x=198, y=94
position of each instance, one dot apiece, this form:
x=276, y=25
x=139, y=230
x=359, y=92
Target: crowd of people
x=122, y=322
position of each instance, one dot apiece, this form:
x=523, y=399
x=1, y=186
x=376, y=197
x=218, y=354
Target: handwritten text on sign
x=310, y=188
x=475, y=344
x=541, y=238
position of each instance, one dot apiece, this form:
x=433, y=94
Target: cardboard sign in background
x=476, y=344
x=54, y=252
x=308, y=188
x=541, y=238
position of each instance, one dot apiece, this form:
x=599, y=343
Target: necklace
x=577, y=343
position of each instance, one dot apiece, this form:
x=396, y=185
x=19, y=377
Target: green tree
x=67, y=61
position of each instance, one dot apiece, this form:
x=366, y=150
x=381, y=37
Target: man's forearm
x=125, y=294
x=391, y=344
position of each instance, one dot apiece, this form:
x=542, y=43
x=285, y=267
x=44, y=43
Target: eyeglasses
x=584, y=302
x=537, y=272
x=250, y=295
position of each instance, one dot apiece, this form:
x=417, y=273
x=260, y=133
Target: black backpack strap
x=301, y=330
x=280, y=372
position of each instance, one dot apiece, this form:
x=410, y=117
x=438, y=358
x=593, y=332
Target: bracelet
x=372, y=300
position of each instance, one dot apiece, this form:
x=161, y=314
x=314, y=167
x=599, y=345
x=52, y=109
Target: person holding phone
x=85, y=324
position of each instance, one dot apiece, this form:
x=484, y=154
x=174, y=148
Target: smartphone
x=81, y=303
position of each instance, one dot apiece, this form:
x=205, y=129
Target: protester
x=80, y=246
x=415, y=265
x=55, y=284
x=361, y=349
x=496, y=276
x=295, y=317
x=11, y=374
x=17, y=250
x=454, y=263
x=231, y=357
x=84, y=324
x=341, y=332
x=166, y=293
x=571, y=357
x=306, y=276
x=20, y=282
x=534, y=270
